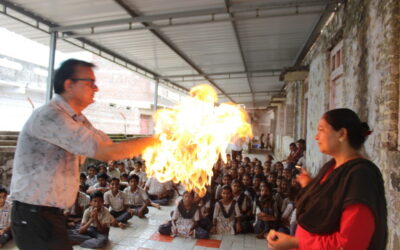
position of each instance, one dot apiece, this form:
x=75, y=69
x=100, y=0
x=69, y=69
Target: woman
x=344, y=206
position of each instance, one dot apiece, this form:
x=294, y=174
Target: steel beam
x=172, y=46
x=50, y=68
x=253, y=72
x=211, y=20
x=329, y=9
x=239, y=44
x=239, y=8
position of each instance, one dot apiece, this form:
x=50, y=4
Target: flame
x=192, y=136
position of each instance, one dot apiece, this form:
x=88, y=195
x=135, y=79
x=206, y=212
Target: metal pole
x=50, y=75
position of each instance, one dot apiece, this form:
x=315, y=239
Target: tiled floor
x=142, y=234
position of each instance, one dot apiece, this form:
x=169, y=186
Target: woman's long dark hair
x=357, y=131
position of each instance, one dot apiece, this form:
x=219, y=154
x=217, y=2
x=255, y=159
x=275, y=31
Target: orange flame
x=192, y=135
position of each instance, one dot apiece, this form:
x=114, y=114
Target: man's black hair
x=134, y=176
x=115, y=179
x=3, y=190
x=102, y=175
x=66, y=71
x=97, y=194
x=83, y=175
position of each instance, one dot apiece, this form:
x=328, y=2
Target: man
x=53, y=141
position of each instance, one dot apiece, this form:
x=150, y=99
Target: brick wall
x=369, y=30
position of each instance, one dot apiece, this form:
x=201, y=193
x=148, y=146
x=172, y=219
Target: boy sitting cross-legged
x=95, y=226
x=118, y=202
x=137, y=198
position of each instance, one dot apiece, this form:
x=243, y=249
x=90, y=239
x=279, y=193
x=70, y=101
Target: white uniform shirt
x=5, y=215
x=142, y=177
x=156, y=187
x=137, y=198
x=104, y=217
x=46, y=163
x=116, y=202
x=83, y=202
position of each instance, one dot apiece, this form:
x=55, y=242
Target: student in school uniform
x=91, y=175
x=95, y=226
x=118, y=203
x=101, y=185
x=226, y=217
x=75, y=213
x=245, y=206
x=137, y=198
x=113, y=171
x=158, y=192
x=266, y=213
x=185, y=220
x=138, y=170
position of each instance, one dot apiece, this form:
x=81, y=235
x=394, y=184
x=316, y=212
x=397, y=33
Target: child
x=287, y=210
x=248, y=186
x=83, y=186
x=226, y=180
x=121, y=167
x=226, y=214
x=118, y=202
x=91, y=175
x=266, y=215
x=139, y=172
x=5, y=218
x=96, y=221
x=137, y=198
x=245, y=206
x=158, y=192
x=101, y=185
x=75, y=213
x=256, y=184
x=113, y=171
x=185, y=220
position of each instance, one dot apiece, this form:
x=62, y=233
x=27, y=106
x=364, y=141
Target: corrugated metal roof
x=187, y=39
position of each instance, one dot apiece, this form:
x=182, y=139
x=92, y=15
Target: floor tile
x=208, y=243
x=163, y=238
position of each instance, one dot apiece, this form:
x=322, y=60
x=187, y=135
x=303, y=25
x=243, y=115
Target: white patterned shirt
x=116, y=202
x=49, y=150
x=5, y=215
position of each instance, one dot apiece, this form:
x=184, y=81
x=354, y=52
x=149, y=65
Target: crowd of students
x=245, y=196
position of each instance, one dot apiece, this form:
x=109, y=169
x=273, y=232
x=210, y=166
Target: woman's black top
x=358, y=181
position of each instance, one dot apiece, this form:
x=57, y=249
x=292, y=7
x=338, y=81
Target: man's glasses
x=91, y=82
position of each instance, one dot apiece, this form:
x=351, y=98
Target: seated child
x=248, y=186
x=5, y=217
x=123, y=183
x=118, y=202
x=121, y=167
x=75, y=213
x=91, y=175
x=139, y=172
x=245, y=206
x=287, y=209
x=226, y=217
x=112, y=170
x=96, y=221
x=83, y=186
x=226, y=180
x=158, y=192
x=266, y=215
x=101, y=185
x=137, y=198
x=185, y=219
